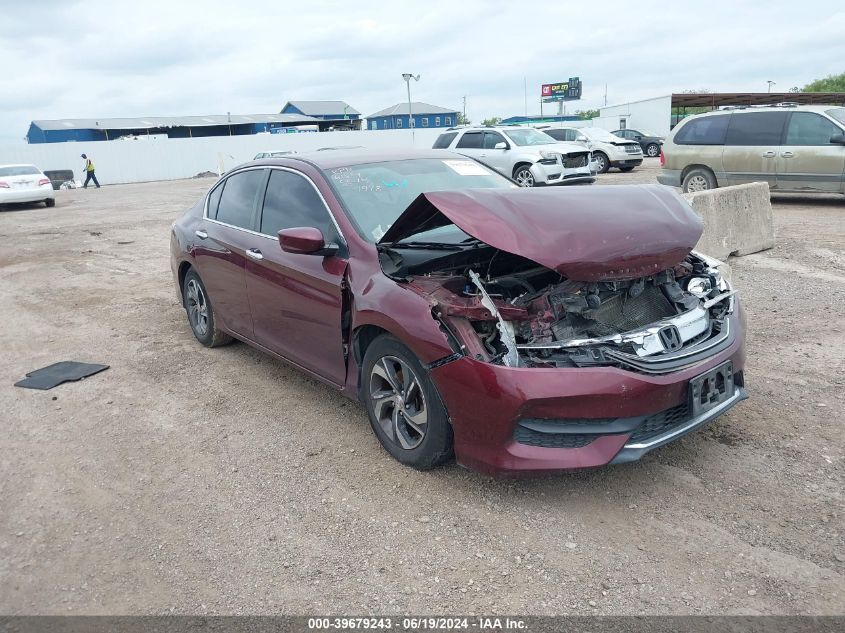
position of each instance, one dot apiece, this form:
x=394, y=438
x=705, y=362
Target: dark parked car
x=650, y=143
x=520, y=329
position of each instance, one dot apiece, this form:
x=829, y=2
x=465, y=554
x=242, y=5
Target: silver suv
x=793, y=148
x=527, y=155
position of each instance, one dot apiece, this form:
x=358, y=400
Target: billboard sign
x=563, y=91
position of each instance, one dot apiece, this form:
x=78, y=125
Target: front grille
x=551, y=440
x=661, y=423
x=571, y=161
x=633, y=149
x=651, y=427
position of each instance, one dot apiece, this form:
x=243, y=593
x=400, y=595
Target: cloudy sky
x=93, y=58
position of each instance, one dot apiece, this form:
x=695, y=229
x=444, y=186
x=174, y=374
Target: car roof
x=768, y=108
x=358, y=156
x=18, y=165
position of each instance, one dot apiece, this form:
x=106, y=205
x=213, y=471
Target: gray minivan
x=793, y=148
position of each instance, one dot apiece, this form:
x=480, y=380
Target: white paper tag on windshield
x=467, y=168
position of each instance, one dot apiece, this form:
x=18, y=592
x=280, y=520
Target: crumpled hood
x=585, y=233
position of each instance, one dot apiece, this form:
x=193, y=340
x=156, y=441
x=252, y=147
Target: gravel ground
x=201, y=481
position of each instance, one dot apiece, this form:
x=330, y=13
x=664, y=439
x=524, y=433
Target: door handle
x=787, y=154
x=769, y=155
x=201, y=234
x=254, y=253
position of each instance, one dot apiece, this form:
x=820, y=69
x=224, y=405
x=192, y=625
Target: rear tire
x=50, y=202
x=652, y=150
x=627, y=169
x=200, y=313
x=698, y=179
x=602, y=162
x=403, y=405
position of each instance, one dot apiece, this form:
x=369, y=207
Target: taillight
x=4, y=185
x=44, y=181
x=662, y=158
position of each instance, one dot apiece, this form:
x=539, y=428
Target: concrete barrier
x=737, y=220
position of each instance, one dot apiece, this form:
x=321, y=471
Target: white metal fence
x=171, y=159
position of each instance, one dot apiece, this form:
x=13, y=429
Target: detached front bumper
x=621, y=415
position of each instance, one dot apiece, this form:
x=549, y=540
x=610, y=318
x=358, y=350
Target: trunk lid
x=584, y=233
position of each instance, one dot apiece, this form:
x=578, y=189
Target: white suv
x=608, y=149
x=527, y=155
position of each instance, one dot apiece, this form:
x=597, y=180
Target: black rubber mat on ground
x=65, y=371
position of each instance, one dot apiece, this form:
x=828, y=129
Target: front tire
x=601, y=161
x=200, y=312
x=652, y=150
x=523, y=176
x=698, y=179
x=50, y=202
x=627, y=169
x=403, y=405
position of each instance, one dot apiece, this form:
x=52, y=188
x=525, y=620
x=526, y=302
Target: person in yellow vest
x=89, y=172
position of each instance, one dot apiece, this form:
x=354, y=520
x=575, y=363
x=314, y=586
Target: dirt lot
x=221, y=481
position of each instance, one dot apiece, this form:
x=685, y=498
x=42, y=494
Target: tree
x=831, y=83
x=493, y=120
x=462, y=120
x=587, y=114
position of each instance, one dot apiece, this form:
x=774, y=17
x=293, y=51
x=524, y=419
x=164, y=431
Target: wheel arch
x=181, y=273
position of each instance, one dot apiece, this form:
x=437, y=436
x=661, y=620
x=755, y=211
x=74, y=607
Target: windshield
x=375, y=194
x=838, y=114
x=598, y=134
x=529, y=136
x=19, y=170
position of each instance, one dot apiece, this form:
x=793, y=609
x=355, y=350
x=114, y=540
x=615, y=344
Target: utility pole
x=465, y=107
x=407, y=77
x=605, y=94
x=525, y=90
x=771, y=83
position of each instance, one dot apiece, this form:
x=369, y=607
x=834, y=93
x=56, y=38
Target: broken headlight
x=699, y=286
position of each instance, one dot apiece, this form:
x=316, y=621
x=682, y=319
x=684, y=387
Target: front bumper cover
x=487, y=402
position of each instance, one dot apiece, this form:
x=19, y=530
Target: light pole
x=771, y=83
x=407, y=77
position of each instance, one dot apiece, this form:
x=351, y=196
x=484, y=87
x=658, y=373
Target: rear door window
x=756, y=128
x=214, y=200
x=708, y=130
x=806, y=128
x=471, y=140
x=444, y=140
x=237, y=202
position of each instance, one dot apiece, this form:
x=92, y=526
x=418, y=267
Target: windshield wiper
x=441, y=246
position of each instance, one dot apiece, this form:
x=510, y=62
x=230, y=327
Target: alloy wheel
x=652, y=150
x=197, y=307
x=524, y=177
x=601, y=163
x=698, y=183
x=398, y=402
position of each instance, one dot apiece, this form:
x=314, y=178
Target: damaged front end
x=535, y=318
x=528, y=278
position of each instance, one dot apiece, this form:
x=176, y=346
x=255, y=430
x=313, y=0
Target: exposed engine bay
x=511, y=311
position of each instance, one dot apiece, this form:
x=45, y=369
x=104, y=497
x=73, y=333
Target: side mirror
x=638, y=137
x=839, y=139
x=581, y=139
x=305, y=240
x=501, y=145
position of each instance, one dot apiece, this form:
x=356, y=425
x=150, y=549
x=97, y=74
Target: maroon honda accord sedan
x=520, y=330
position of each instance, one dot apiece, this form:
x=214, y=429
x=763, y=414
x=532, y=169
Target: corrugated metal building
x=63, y=130
x=425, y=115
x=336, y=114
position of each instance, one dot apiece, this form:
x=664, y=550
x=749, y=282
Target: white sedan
x=25, y=183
